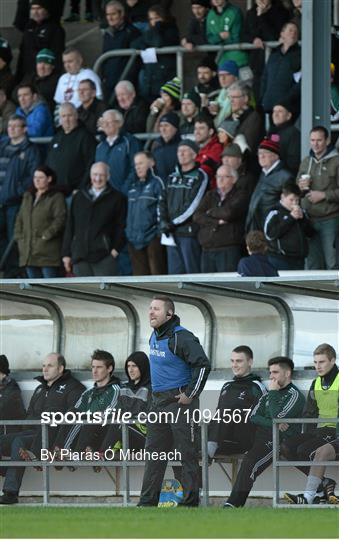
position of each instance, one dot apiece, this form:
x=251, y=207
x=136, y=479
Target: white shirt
x=67, y=87
x=267, y=171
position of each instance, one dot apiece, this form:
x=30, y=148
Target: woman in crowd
x=39, y=226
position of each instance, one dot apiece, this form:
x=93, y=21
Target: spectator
x=165, y=148
x=18, y=160
x=227, y=74
x=242, y=393
x=117, y=150
x=91, y=108
x=227, y=136
x=250, y=121
x=163, y=32
x=221, y=220
x=184, y=189
x=41, y=32
x=36, y=113
x=179, y=369
x=168, y=101
x=224, y=27
x=134, y=398
x=207, y=86
x=297, y=13
x=288, y=135
x=45, y=78
x=68, y=84
x=322, y=402
x=39, y=226
x=22, y=13
x=136, y=12
x=267, y=192
x=263, y=22
x=133, y=108
x=334, y=96
x=233, y=156
x=190, y=107
x=287, y=228
x=94, y=232
x=11, y=404
x=210, y=149
x=58, y=391
x=283, y=400
x=257, y=264
x=148, y=256
x=318, y=178
x=71, y=151
x=196, y=32
x=6, y=76
x=101, y=397
x=282, y=73
x=118, y=35
x=7, y=109
x=74, y=15
x=326, y=452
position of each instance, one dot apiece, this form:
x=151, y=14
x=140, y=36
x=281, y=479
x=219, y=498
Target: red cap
x=270, y=145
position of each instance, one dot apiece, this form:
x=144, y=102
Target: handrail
x=125, y=464
x=278, y=463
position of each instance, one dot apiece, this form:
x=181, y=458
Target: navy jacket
x=119, y=157
x=143, y=210
x=165, y=155
x=19, y=171
x=256, y=265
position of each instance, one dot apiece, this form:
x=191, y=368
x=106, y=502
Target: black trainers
x=228, y=505
x=328, y=485
x=9, y=498
x=333, y=499
x=295, y=499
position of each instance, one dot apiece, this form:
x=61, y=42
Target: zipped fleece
x=324, y=174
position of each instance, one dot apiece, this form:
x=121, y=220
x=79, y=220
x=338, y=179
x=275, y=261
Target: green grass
x=32, y=522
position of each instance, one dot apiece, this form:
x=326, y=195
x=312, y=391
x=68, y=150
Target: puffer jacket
x=39, y=229
x=324, y=174
x=232, y=210
x=182, y=196
x=143, y=210
x=39, y=120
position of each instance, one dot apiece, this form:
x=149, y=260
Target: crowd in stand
x=216, y=178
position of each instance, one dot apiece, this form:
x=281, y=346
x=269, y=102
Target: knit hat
x=229, y=127
x=5, y=51
x=43, y=3
x=230, y=67
x=4, y=365
x=172, y=88
x=204, y=3
x=270, y=145
x=46, y=56
x=170, y=118
x=191, y=144
x=194, y=97
x=291, y=105
x=232, y=150
x=209, y=63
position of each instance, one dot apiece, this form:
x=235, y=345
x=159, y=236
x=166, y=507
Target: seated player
x=242, y=392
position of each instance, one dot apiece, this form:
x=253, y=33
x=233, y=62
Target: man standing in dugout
x=179, y=369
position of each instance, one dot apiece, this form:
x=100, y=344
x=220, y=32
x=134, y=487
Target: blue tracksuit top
x=168, y=370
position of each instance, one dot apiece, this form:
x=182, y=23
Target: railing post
x=45, y=467
x=204, y=464
x=125, y=467
x=275, y=451
x=180, y=67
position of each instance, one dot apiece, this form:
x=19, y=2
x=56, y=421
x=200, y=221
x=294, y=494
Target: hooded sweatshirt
x=136, y=397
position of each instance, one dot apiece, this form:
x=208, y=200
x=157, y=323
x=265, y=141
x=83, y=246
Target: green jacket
x=285, y=403
x=39, y=229
x=99, y=398
x=230, y=20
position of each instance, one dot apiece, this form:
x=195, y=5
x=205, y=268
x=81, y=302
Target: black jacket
x=11, y=404
x=265, y=196
x=277, y=82
x=48, y=34
x=71, y=156
x=90, y=116
x=187, y=346
x=196, y=32
x=289, y=142
x=182, y=196
x=135, y=117
x=286, y=235
x=95, y=226
x=136, y=397
x=240, y=393
x=165, y=155
x=256, y=265
x=60, y=396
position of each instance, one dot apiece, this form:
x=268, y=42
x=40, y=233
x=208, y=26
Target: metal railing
x=277, y=463
x=124, y=464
